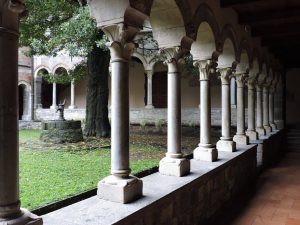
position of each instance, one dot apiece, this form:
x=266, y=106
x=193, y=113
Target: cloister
x=184, y=191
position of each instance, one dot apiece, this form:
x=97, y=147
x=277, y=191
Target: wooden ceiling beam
x=230, y=3
x=253, y=18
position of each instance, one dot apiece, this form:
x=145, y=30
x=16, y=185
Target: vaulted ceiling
x=276, y=22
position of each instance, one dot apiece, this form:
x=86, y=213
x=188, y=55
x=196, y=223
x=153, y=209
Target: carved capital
x=174, y=58
x=206, y=68
x=120, y=51
x=16, y=6
x=241, y=79
x=225, y=75
x=149, y=74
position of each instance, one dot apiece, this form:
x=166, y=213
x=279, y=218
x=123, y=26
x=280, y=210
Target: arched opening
x=43, y=90
x=137, y=84
x=160, y=86
x=21, y=100
x=63, y=91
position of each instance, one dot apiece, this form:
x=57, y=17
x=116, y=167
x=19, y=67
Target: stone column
x=226, y=143
x=149, y=89
x=38, y=93
x=72, y=106
x=259, y=112
x=27, y=104
x=232, y=93
x=174, y=163
x=206, y=150
x=240, y=138
x=54, y=104
x=251, y=133
x=10, y=211
x=266, y=124
x=120, y=186
x=271, y=109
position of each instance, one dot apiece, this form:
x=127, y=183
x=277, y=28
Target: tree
x=53, y=26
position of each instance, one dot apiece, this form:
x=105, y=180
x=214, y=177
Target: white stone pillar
x=266, y=124
x=251, y=133
x=206, y=150
x=232, y=93
x=174, y=164
x=54, y=104
x=72, y=105
x=259, y=111
x=10, y=212
x=149, y=89
x=271, y=109
x=120, y=186
x=240, y=138
x=226, y=143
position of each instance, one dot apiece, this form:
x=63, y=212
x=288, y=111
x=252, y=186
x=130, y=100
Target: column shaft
x=240, y=111
x=174, y=115
x=120, y=118
x=251, y=109
x=72, y=105
x=271, y=107
x=205, y=114
x=259, y=111
x=226, y=115
x=38, y=93
x=149, y=90
x=266, y=123
x=54, y=103
x=9, y=144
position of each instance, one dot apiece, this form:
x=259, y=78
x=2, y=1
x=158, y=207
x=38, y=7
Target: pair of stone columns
x=10, y=211
x=54, y=94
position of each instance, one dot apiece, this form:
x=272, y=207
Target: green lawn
x=48, y=174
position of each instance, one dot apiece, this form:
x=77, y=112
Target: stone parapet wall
x=190, y=116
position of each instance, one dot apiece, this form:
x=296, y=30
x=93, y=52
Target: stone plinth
x=61, y=131
x=174, y=167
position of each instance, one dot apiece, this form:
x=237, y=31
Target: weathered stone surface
x=226, y=146
x=61, y=131
x=120, y=190
x=174, y=167
x=192, y=199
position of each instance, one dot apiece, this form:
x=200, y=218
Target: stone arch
x=41, y=67
x=63, y=91
x=141, y=58
x=42, y=89
x=59, y=66
x=24, y=89
x=205, y=14
x=228, y=32
x=245, y=48
x=205, y=44
x=171, y=23
x=228, y=55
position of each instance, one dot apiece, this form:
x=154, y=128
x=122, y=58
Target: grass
x=48, y=175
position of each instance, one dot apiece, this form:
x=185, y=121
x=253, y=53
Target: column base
x=273, y=126
x=206, y=153
x=253, y=135
x=226, y=146
x=261, y=131
x=53, y=107
x=241, y=139
x=121, y=190
x=72, y=107
x=268, y=129
x=149, y=107
x=25, y=218
x=174, y=167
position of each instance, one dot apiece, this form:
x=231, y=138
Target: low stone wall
x=189, y=200
x=190, y=116
x=29, y=125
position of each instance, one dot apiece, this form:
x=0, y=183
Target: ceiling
x=276, y=22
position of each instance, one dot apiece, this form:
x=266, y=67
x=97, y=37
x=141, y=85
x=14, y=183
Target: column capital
x=241, y=79
x=173, y=57
x=16, y=6
x=225, y=75
x=206, y=68
x=149, y=74
x=251, y=83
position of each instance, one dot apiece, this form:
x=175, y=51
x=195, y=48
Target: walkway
x=277, y=199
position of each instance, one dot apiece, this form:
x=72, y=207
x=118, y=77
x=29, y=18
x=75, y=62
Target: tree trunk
x=97, y=123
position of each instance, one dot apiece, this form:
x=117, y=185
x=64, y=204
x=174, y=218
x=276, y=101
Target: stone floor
x=276, y=200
